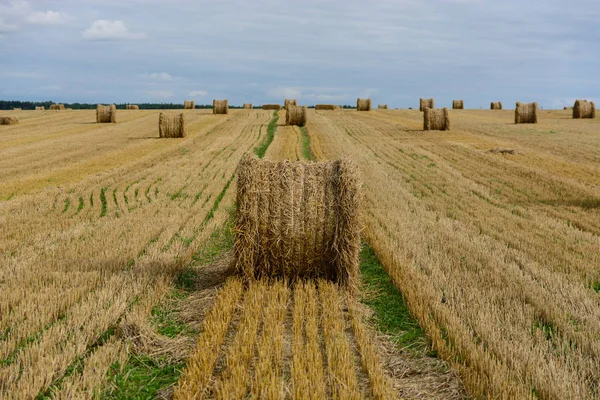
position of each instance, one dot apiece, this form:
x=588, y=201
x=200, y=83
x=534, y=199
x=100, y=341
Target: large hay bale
x=298, y=220
x=220, y=106
x=382, y=106
x=132, y=107
x=436, y=119
x=458, y=104
x=295, y=115
x=496, y=105
x=584, y=109
x=57, y=107
x=9, y=120
x=171, y=125
x=271, y=107
x=189, y=104
x=526, y=113
x=425, y=103
x=326, y=107
x=39, y=108
x=363, y=104
x=289, y=102
x=247, y=106
x=106, y=113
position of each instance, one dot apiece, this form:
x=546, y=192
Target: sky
x=317, y=51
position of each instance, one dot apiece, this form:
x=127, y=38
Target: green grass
x=306, y=150
x=80, y=205
x=391, y=314
x=103, y=201
x=261, y=149
x=67, y=205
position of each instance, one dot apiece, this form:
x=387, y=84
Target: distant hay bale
x=68, y=109
x=57, y=107
x=425, y=103
x=295, y=115
x=106, y=113
x=458, y=104
x=188, y=104
x=271, y=107
x=17, y=109
x=220, y=106
x=247, y=106
x=171, y=125
x=289, y=102
x=9, y=120
x=584, y=109
x=39, y=108
x=496, y=105
x=298, y=220
x=132, y=107
x=436, y=119
x=326, y=107
x=382, y=107
x=363, y=104
x=526, y=113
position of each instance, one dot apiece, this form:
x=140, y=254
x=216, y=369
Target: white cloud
x=110, y=30
x=163, y=94
x=198, y=93
x=48, y=17
x=163, y=76
x=287, y=92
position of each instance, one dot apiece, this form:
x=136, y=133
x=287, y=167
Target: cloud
x=47, y=17
x=5, y=28
x=163, y=94
x=163, y=76
x=103, y=29
x=282, y=91
x=198, y=93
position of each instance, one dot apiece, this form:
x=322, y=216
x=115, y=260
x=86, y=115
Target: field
x=496, y=255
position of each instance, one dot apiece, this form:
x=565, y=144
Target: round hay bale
x=382, y=107
x=220, y=106
x=425, y=103
x=9, y=120
x=526, y=113
x=289, y=102
x=326, y=107
x=57, y=107
x=171, y=125
x=584, y=109
x=297, y=220
x=106, y=113
x=39, y=108
x=132, y=107
x=458, y=104
x=436, y=119
x=363, y=104
x=247, y=106
x=295, y=115
x=189, y=104
x=17, y=109
x=271, y=107
x=496, y=105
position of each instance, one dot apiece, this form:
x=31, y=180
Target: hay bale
x=496, y=105
x=171, y=125
x=382, y=106
x=289, y=102
x=363, y=104
x=17, y=109
x=584, y=109
x=57, y=107
x=271, y=107
x=326, y=107
x=297, y=220
x=9, y=120
x=106, y=113
x=220, y=106
x=526, y=113
x=132, y=107
x=39, y=108
x=436, y=119
x=425, y=103
x=68, y=109
x=247, y=106
x=295, y=115
x=188, y=104
x=458, y=104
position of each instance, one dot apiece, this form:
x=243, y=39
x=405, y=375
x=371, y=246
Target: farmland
x=496, y=255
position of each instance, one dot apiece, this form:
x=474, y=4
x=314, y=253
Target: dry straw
x=496, y=105
x=57, y=107
x=584, y=109
x=382, y=106
x=247, y=106
x=39, y=108
x=289, y=102
x=220, y=106
x=132, y=107
x=188, y=104
x=298, y=220
x=9, y=120
x=526, y=113
x=271, y=107
x=295, y=115
x=458, y=104
x=326, y=107
x=436, y=119
x=425, y=103
x=363, y=104
x=171, y=125
x=106, y=113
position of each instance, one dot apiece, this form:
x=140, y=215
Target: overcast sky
x=314, y=50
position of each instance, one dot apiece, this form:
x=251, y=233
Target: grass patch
x=392, y=315
x=67, y=205
x=80, y=205
x=103, y=201
x=261, y=149
x=306, y=150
